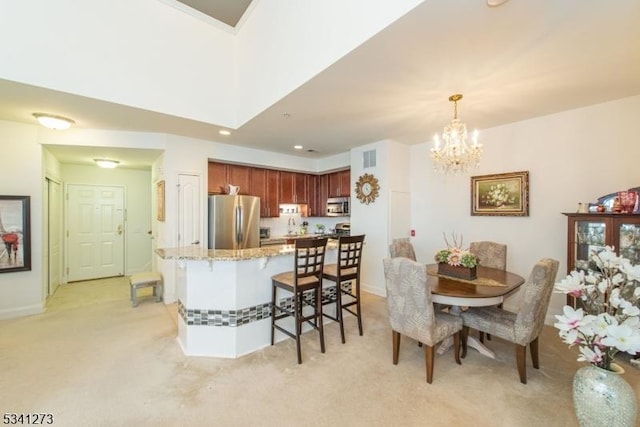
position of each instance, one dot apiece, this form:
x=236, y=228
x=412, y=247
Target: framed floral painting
x=15, y=250
x=504, y=194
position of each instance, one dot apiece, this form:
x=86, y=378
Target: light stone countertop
x=197, y=253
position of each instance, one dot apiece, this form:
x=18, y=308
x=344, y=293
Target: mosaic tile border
x=244, y=316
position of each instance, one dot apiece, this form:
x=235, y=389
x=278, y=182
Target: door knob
x=120, y=229
x=197, y=242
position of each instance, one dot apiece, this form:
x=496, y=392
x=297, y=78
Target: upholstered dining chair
x=411, y=311
x=304, y=290
x=524, y=327
x=402, y=247
x=346, y=270
x=492, y=255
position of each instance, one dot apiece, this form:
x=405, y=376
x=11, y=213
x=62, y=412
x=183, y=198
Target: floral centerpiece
x=609, y=320
x=455, y=261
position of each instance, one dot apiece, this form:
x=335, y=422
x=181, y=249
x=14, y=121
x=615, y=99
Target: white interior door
x=54, y=235
x=95, y=231
x=189, y=210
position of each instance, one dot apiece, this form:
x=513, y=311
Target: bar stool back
x=304, y=284
x=347, y=269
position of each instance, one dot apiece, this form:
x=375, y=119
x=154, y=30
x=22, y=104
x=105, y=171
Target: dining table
x=490, y=287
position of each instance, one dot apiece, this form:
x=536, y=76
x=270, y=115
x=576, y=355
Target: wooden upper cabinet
x=340, y=184
x=240, y=176
x=293, y=188
x=323, y=194
x=217, y=178
x=300, y=188
x=312, y=196
x=264, y=184
x=222, y=174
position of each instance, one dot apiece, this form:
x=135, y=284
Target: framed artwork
x=160, y=201
x=504, y=194
x=15, y=231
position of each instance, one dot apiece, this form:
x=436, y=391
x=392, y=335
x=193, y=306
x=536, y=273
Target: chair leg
x=358, y=307
x=319, y=322
x=396, y=346
x=456, y=347
x=429, y=353
x=533, y=347
x=297, y=304
x=465, y=334
x=521, y=358
x=339, y=310
x=481, y=336
x=273, y=313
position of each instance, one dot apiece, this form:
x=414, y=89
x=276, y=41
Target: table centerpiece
x=456, y=262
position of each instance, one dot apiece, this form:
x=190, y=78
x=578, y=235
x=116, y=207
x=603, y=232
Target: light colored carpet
x=93, y=360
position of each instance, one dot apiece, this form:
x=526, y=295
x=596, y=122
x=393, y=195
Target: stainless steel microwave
x=338, y=206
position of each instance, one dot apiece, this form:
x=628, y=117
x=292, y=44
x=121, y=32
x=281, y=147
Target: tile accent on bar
x=235, y=318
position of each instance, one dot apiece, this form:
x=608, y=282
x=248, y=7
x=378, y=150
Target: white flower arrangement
x=610, y=319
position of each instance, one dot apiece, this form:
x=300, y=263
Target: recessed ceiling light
x=298, y=147
x=51, y=121
x=496, y=3
x=106, y=163
x=224, y=132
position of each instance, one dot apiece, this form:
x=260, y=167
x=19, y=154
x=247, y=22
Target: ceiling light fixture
x=224, y=132
x=456, y=155
x=106, y=163
x=496, y=3
x=298, y=147
x=51, y=121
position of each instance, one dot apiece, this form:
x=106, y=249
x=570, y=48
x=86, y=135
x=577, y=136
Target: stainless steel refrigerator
x=234, y=222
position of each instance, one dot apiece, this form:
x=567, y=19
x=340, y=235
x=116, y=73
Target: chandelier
x=454, y=154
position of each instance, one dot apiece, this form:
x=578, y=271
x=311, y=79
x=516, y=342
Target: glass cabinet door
x=589, y=236
x=628, y=244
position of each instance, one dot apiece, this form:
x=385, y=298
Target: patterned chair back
x=402, y=247
x=537, y=292
x=409, y=300
x=490, y=254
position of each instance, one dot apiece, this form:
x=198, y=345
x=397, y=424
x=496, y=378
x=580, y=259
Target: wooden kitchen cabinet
x=593, y=231
x=217, y=178
x=222, y=174
x=313, y=209
x=265, y=184
x=340, y=184
x=293, y=188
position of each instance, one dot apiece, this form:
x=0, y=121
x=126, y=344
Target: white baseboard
x=21, y=311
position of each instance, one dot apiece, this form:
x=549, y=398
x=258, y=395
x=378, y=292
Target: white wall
x=21, y=174
x=137, y=185
x=573, y=156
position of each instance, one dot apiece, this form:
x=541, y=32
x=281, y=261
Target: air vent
x=311, y=150
x=369, y=159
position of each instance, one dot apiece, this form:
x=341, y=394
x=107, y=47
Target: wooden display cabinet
x=591, y=232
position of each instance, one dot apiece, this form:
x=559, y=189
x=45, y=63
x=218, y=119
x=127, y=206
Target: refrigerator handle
x=239, y=225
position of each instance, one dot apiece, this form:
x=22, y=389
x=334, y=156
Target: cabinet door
x=217, y=178
x=312, y=195
x=588, y=235
x=239, y=176
x=323, y=194
x=264, y=184
x=628, y=239
x=334, y=184
x=287, y=180
x=300, y=188
x=345, y=183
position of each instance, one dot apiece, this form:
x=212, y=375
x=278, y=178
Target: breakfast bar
x=224, y=297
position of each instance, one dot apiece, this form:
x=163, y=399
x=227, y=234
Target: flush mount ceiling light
x=496, y=3
x=51, y=121
x=106, y=163
x=456, y=155
x=224, y=132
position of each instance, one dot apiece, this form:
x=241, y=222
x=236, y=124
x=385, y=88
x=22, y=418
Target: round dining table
x=489, y=288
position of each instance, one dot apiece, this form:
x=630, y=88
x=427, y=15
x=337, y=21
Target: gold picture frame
x=504, y=194
x=160, y=201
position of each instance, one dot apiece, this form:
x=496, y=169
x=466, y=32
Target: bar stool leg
x=297, y=303
x=319, y=317
x=339, y=310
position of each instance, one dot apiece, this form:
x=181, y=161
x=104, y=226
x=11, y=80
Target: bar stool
x=347, y=269
x=304, y=284
x=144, y=280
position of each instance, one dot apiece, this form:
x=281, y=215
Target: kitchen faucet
x=290, y=225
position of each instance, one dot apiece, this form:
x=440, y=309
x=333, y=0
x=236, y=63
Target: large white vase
x=602, y=398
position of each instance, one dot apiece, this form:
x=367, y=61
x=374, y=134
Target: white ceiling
x=521, y=60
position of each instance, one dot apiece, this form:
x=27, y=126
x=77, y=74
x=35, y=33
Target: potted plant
x=456, y=262
x=320, y=228
x=607, y=322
